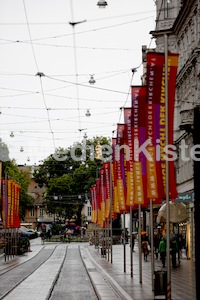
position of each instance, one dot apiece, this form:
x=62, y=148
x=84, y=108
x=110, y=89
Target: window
x=32, y=212
x=168, y=8
x=41, y=212
x=89, y=211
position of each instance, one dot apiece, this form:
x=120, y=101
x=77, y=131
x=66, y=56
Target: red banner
x=93, y=200
x=98, y=201
x=129, y=158
x=17, y=205
x=114, y=176
x=106, y=166
x=121, y=181
x=102, y=198
x=139, y=138
x=4, y=202
x=156, y=133
x=10, y=204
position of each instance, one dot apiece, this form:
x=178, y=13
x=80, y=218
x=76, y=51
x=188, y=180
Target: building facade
x=179, y=20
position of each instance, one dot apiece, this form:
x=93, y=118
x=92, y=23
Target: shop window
x=32, y=212
x=89, y=211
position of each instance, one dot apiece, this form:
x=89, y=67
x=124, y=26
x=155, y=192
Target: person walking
x=133, y=242
x=156, y=245
x=162, y=251
x=145, y=249
x=174, y=250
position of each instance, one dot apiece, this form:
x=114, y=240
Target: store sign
x=185, y=197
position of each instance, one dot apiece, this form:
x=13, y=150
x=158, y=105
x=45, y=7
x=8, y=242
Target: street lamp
x=12, y=134
x=102, y=3
x=92, y=80
x=88, y=114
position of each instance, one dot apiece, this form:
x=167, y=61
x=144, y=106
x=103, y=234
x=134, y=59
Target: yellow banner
x=130, y=189
x=139, y=194
x=152, y=188
x=120, y=193
x=116, y=202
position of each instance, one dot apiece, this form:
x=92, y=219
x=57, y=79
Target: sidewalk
x=182, y=277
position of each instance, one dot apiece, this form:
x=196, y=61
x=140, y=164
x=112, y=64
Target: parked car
x=30, y=233
x=33, y=233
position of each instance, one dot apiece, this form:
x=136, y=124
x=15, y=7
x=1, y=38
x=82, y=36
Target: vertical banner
x=98, y=202
x=9, y=220
x=17, y=205
x=106, y=166
x=4, y=203
x=121, y=189
x=1, y=217
x=129, y=160
x=114, y=176
x=12, y=217
x=139, y=139
x=93, y=219
x=102, y=197
x=14, y=204
x=156, y=166
x=10, y=204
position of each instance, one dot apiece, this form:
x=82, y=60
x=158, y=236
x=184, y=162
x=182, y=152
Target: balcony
x=186, y=119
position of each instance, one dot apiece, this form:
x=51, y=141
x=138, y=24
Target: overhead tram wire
x=73, y=24
x=89, y=20
x=81, y=32
x=121, y=108
x=86, y=86
x=40, y=74
x=133, y=72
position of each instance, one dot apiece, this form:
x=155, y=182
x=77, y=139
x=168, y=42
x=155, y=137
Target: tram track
x=59, y=272
x=13, y=277
x=73, y=278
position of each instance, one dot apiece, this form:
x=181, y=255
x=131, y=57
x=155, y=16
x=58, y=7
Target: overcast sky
x=47, y=112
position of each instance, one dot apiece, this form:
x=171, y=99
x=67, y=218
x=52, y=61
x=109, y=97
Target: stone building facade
x=179, y=20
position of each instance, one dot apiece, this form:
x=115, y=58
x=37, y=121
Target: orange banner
x=121, y=188
x=156, y=128
x=129, y=159
x=139, y=137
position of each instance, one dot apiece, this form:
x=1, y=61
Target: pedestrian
x=91, y=240
x=145, y=249
x=69, y=235
x=42, y=237
x=180, y=246
x=156, y=245
x=174, y=250
x=133, y=242
x=162, y=251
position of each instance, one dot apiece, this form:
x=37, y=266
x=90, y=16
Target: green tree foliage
x=4, y=152
x=64, y=176
x=81, y=174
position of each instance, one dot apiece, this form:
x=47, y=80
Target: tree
x=80, y=171
x=69, y=172
x=4, y=152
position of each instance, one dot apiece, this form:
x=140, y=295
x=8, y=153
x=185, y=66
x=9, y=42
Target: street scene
x=78, y=271
x=100, y=149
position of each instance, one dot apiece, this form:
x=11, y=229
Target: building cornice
x=187, y=68
x=183, y=14
x=178, y=22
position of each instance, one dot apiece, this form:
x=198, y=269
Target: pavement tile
x=182, y=278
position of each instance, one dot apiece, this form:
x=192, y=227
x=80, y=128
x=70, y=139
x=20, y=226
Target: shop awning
x=177, y=212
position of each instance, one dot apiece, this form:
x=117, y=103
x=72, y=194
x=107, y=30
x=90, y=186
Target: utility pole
x=196, y=140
